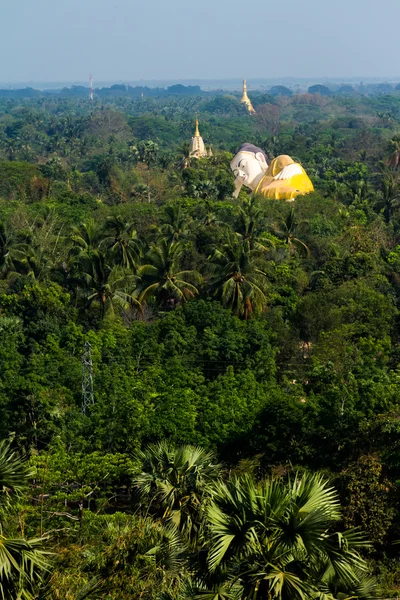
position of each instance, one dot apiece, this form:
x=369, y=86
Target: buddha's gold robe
x=283, y=189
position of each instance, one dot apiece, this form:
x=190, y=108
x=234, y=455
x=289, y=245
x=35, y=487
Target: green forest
x=198, y=394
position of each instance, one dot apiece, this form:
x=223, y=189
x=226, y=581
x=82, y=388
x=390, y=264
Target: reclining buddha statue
x=283, y=179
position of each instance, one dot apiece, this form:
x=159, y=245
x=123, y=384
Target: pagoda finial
x=246, y=100
x=197, y=132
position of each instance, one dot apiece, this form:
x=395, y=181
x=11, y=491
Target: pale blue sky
x=65, y=40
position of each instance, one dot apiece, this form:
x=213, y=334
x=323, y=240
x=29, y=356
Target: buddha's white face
x=246, y=167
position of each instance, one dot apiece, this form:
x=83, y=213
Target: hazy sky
x=65, y=40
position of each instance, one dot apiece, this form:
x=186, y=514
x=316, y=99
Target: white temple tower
x=197, y=147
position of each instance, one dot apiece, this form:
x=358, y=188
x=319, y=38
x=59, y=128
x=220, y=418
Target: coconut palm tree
x=122, y=241
x=393, y=152
x=32, y=261
x=85, y=238
x=279, y=540
x=22, y=562
x=288, y=229
x=176, y=480
x=148, y=151
x=250, y=227
x=176, y=224
x=237, y=278
x=388, y=197
x=182, y=159
x=162, y=278
x=106, y=285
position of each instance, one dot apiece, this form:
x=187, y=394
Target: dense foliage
x=263, y=332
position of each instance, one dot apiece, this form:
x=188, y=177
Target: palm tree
x=278, y=540
x=106, y=285
x=85, y=244
x=176, y=225
x=250, y=227
x=393, y=152
x=361, y=191
x=210, y=219
x=388, y=198
x=148, y=151
x=7, y=243
x=85, y=238
x=177, y=479
x=205, y=189
x=236, y=277
x=288, y=230
x=122, y=241
x=22, y=562
x=162, y=278
x=182, y=159
x=32, y=261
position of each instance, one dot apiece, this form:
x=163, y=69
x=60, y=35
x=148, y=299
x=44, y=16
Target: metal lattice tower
x=87, y=377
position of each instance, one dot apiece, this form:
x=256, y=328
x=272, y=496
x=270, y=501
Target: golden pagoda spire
x=197, y=132
x=197, y=148
x=246, y=100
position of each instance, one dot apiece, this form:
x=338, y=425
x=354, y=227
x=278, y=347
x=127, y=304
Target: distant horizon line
x=225, y=85
x=205, y=81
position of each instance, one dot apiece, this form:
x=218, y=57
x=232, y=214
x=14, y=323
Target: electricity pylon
x=87, y=377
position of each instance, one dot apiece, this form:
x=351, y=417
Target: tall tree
x=289, y=229
x=388, y=200
x=236, y=277
x=251, y=226
x=122, y=241
x=86, y=238
x=32, y=261
x=148, y=151
x=106, y=285
x=176, y=225
x=393, y=152
x=162, y=278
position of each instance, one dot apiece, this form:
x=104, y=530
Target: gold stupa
x=246, y=100
x=197, y=147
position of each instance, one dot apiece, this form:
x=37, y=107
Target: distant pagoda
x=246, y=100
x=197, y=147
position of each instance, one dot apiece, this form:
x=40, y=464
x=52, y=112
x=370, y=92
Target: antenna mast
x=87, y=377
x=91, y=87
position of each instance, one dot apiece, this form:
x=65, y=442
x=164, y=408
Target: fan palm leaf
x=280, y=537
x=177, y=479
x=22, y=565
x=14, y=473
